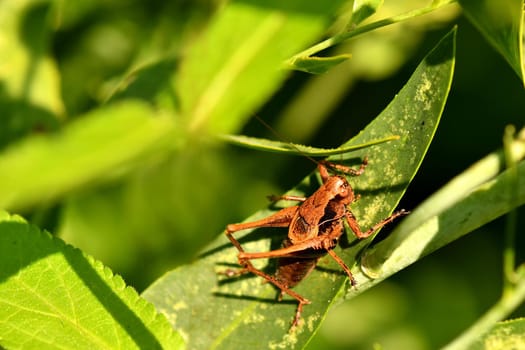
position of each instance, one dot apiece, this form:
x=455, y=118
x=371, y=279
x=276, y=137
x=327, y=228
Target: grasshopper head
x=342, y=190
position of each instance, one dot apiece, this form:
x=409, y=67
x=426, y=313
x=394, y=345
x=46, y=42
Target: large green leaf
x=501, y=22
x=243, y=313
x=231, y=68
x=53, y=296
x=100, y=145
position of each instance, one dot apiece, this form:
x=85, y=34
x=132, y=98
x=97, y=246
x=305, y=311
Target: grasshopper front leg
x=354, y=225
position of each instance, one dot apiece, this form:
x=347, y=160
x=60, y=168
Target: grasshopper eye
x=342, y=188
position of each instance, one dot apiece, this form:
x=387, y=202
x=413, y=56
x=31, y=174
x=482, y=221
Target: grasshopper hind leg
x=247, y=267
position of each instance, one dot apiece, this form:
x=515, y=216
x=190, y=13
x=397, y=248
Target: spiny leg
x=275, y=198
x=323, y=171
x=301, y=301
x=282, y=218
x=247, y=266
x=352, y=222
x=343, y=266
x=279, y=219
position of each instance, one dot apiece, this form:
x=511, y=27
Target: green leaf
x=352, y=32
x=30, y=96
x=215, y=312
x=318, y=65
x=149, y=82
x=501, y=22
x=356, y=12
x=295, y=149
x=53, y=296
x=231, y=69
x=364, y=9
x=505, y=335
x=100, y=145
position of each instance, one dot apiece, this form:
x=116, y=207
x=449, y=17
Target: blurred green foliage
x=156, y=208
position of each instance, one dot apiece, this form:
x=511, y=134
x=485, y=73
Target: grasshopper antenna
x=318, y=163
x=279, y=137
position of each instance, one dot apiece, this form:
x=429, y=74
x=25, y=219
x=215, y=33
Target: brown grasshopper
x=314, y=229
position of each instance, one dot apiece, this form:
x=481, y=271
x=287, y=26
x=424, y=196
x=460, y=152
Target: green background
x=160, y=214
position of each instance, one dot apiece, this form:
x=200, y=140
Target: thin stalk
x=339, y=38
x=499, y=311
x=509, y=250
x=513, y=293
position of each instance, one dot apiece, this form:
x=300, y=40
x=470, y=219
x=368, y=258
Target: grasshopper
x=314, y=228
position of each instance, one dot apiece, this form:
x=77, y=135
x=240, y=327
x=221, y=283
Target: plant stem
x=513, y=293
x=339, y=38
x=499, y=311
x=509, y=252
